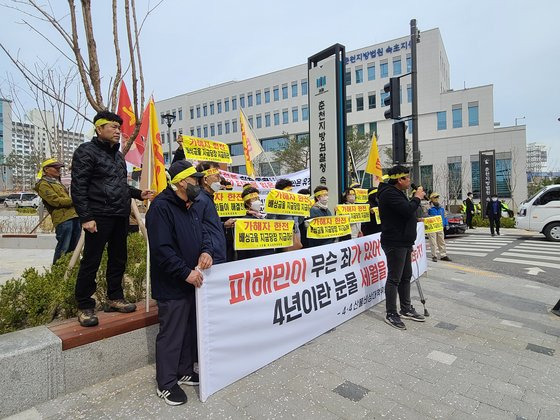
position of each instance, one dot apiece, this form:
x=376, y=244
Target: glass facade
x=384, y=69
x=371, y=72
x=455, y=182
x=284, y=92
x=473, y=114
x=359, y=75
x=503, y=178
x=304, y=113
x=276, y=92
x=442, y=120
x=304, y=87
x=371, y=101
x=397, y=70
x=359, y=103
x=295, y=115
x=273, y=144
x=427, y=177
x=294, y=90
x=457, y=116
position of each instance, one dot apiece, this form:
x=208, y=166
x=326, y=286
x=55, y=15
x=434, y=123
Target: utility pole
x=169, y=120
x=414, y=39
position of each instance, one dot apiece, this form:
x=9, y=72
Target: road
x=516, y=253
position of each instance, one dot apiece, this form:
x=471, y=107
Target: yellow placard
x=376, y=212
x=361, y=195
x=329, y=227
x=199, y=149
x=229, y=204
x=433, y=224
x=265, y=233
x=286, y=202
x=357, y=212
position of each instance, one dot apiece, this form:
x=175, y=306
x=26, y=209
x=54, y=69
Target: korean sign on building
x=487, y=164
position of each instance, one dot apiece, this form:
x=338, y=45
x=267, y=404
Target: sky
x=188, y=45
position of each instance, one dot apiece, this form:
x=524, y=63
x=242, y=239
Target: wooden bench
x=110, y=324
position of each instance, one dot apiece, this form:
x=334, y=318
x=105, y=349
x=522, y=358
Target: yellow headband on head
x=354, y=185
x=372, y=191
x=352, y=191
x=183, y=174
x=229, y=187
x=320, y=193
x=288, y=188
x=211, y=171
x=44, y=165
x=103, y=121
x=397, y=176
x=246, y=186
x=250, y=197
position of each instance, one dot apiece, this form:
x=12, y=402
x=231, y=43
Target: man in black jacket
x=179, y=249
x=101, y=198
x=469, y=209
x=179, y=153
x=398, y=233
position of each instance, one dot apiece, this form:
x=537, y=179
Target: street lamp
x=518, y=118
x=169, y=120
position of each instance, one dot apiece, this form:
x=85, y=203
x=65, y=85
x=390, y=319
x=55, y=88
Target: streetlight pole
x=518, y=118
x=169, y=120
x=414, y=38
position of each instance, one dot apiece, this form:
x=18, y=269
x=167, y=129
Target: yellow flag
x=374, y=163
x=153, y=167
x=251, y=145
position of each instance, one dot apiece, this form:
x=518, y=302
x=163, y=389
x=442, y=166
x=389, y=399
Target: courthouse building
x=454, y=125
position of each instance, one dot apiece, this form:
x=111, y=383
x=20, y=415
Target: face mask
x=494, y=198
x=192, y=192
x=215, y=186
x=256, y=205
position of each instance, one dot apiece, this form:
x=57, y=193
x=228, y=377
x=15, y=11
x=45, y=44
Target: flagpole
x=354, y=163
x=148, y=277
x=263, y=152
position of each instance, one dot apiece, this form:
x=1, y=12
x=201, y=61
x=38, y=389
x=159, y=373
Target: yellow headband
x=351, y=191
x=320, y=193
x=183, y=174
x=372, y=191
x=250, y=197
x=354, y=185
x=288, y=188
x=44, y=165
x=246, y=186
x=103, y=121
x=385, y=177
x=229, y=187
x=397, y=176
x=211, y=171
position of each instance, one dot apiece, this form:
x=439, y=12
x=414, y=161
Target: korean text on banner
x=286, y=202
x=265, y=233
x=199, y=149
x=361, y=195
x=251, y=312
x=329, y=227
x=433, y=224
x=229, y=204
x=299, y=179
x=357, y=212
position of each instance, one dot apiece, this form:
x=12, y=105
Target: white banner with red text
x=254, y=311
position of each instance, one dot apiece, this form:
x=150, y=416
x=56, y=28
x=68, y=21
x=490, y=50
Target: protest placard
x=357, y=212
x=329, y=227
x=263, y=233
x=199, y=149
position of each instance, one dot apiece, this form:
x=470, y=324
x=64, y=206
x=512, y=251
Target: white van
x=541, y=213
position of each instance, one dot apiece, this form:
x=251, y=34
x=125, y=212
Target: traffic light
x=393, y=100
x=399, y=142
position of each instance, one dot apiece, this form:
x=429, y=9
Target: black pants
x=494, y=221
x=469, y=219
x=399, y=273
x=111, y=231
x=176, y=345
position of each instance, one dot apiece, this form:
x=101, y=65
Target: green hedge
x=36, y=299
x=26, y=210
x=505, y=222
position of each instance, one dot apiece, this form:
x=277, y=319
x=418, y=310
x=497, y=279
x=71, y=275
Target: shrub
x=505, y=222
x=26, y=211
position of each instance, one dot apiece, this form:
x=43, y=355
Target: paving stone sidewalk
x=489, y=350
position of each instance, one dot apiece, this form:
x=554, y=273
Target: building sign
x=327, y=119
x=487, y=163
x=378, y=52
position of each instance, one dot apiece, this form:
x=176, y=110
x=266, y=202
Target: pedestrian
x=398, y=233
x=253, y=206
x=180, y=248
x=320, y=209
x=349, y=197
x=437, y=239
x=180, y=152
x=102, y=197
x=469, y=209
x=285, y=184
x=494, y=213
x=210, y=183
x=371, y=227
x=58, y=203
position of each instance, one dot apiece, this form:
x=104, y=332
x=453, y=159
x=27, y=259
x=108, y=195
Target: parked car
x=541, y=213
x=22, y=199
x=457, y=225
x=3, y=198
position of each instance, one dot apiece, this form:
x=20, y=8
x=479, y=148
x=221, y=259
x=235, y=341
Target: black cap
x=180, y=166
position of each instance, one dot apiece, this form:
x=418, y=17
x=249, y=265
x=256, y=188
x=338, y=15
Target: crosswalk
x=479, y=246
x=538, y=253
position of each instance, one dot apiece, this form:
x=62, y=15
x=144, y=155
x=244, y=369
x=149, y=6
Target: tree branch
x=94, y=74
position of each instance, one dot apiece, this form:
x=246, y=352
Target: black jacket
x=99, y=181
x=398, y=217
x=469, y=206
x=214, y=226
x=177, y=238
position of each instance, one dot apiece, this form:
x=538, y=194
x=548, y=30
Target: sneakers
x=173, y=396
x=87, y=318
x=413, y=315
x=119, y=305
x=394, y=320
x=434, y=259
x=191, y=380
x=446, y=258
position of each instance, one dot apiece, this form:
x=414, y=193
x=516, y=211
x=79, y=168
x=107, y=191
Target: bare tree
x=294, y=156
x=511, y=175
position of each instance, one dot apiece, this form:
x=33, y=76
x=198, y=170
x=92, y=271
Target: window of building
x=219, y=103
x=198, y=132
x=359, y=75
x=348, y=78
x=473, y=114
x=212, y=130
x=285, y=116
x=427, y=177
x=242, y=101
x=295, y=114
x=408, y=63
x=410, y=124
x=250, y=121
x=294, y=89
x=205, y=110
x=454, y=179
x=226, y=127
x=234, y=126
x=267, y=119
x=359, y=103
x=276, y=118
x=241, y=169
x=371, y=72
x=273, y=144
x=371, y=101
x=249, y=99
x=205, y=131
x=382, y=98
x=384, y=69
x=180, y=112
x=503, y=175
x=409, y=93
x=361, y=129
x=269, y=168
x=285, y=92
x=191, y=112
x=219, y=129
x=372, y=128
x=258, y=97
x=174, y=113
x=304, y=87
x=457, y=112
x=475, y=176
x=266, y=96
x=233, y=103
x=198, y=112
x=442, y=120
x=304, y=113
x=162, y=138
x=226, y=105
x=192, y=131
x=276, y=93
x=397, y=70
x=211, y=108
x=348, y=104
x=236, y=149
x=259, y=121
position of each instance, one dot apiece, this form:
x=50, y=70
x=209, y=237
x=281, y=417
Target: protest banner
x=433, y=224
x=329, y=227
x=263, y=233
x=287, y=202
x=251, y=312
x=299, y=180
x=199, y=149
x=361, y=195
x=357, y=212
x=229, y=204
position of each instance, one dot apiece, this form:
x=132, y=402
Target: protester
x=398, y=233
x=253, y=205
x=469, y=209
x=284, y=184
x=180, y=152
x=180, y=248
x=437, y=239
x=210, y=183
x=58, y=203
x=229, y=224
x=102, y=197
x=494, y=213
x=301, y=222
x=349, y=197
x=371, y=227
x=320, y=209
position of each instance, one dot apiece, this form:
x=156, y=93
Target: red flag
x=125, y=111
